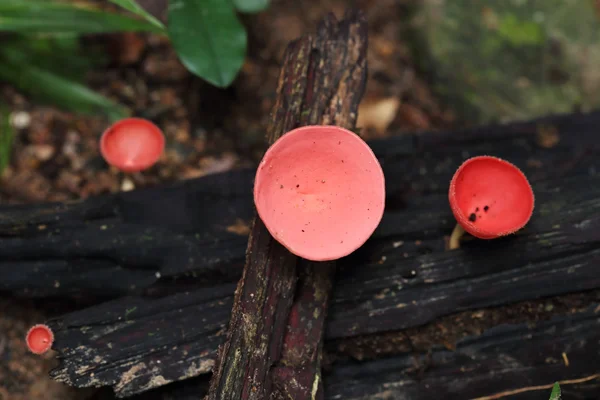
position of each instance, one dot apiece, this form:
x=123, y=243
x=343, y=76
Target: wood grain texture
x=157, y=240
x=264, y=357
x=504, y=359
x=400, y=279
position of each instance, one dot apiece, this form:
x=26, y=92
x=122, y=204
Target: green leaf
x=41, y=16
x=51, y=87
x=61, y=53
x=209, y=39
x=135, y=8
x=251, y=6
x=555, y=395
x=6, y=137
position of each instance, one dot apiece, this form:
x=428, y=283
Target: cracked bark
x=273, y=346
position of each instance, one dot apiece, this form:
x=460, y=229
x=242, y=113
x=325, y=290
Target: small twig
x=540, y=387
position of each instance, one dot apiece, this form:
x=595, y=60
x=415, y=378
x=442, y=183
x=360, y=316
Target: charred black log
x=519, y=361
x=401, y=278
x=145, y=241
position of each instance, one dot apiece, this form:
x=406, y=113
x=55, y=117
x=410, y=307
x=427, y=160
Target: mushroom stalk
x=457, y=234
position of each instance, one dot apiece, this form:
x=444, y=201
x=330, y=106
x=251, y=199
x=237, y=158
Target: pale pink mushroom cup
x=320, y=191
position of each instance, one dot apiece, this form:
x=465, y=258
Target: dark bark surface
x=156, y=240
x=265, y=357
x=501, y=360
x=402, y=278
x=126, y=243
x=508, y=361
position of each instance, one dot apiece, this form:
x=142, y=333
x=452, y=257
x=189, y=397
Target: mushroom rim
x=46, y=329
x=379, y=171
x=463, y=220
x=109, y=157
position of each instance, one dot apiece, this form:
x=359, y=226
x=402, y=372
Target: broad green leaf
x=41, y=16
x=135, y=8
x=51, y=87
x=209, y=38
x=555, y=395
x=62, y=53
x=251, y=6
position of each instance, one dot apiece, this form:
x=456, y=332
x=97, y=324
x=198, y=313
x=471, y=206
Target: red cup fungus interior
x=320, y=191
x=39, y=339
x=132, y=144
x=490, y=197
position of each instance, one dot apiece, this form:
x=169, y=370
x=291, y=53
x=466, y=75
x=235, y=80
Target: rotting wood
x=321, y=83
x=503, y=358
x=159, y=239
x=402, y=278
x=512, y=358
x=553, y=255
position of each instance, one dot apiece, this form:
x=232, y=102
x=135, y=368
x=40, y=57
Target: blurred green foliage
x=6, y=137
x=511, y=59
x=53, y=16
x=41, y=54
x=40, y=51
x=51, y=69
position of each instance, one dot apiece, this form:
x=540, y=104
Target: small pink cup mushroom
x=489, y=198
x=320, y=192
x=39, y=339
x=132, y=144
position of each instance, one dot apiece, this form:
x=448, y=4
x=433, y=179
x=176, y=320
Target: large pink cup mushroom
x=132, y=144
x=320, y=191
x=489, y=198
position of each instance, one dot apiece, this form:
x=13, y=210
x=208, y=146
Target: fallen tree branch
x=321, y=83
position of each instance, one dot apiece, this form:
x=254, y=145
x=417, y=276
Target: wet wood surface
x=511, y=361
x=402, y=278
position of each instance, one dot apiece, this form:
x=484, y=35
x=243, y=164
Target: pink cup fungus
x=39, y=339
x=489, y=198
x=320, y=192
x=132, y=144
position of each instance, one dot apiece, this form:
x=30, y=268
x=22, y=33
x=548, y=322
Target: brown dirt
x=208, y=130
x=23, y=375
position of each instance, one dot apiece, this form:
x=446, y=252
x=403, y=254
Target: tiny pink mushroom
x=39, y=339
x=132, y=144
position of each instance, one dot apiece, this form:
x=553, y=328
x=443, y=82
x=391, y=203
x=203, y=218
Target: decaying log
x=274, y=337
x=401, y=278
x=507, y=359
x=140, y=241
x=519, y=361
x=147, y=240
x=126, y=243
